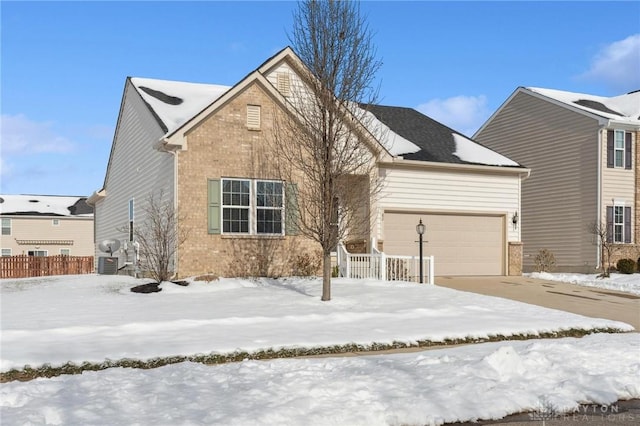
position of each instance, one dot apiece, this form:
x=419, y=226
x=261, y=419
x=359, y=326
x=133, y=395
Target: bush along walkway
x=47, y=370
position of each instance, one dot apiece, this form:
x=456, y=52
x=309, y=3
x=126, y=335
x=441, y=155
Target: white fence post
x=383, y=266
x=431, y=270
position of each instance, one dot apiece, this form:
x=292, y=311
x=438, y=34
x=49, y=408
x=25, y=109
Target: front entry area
x=461, y=244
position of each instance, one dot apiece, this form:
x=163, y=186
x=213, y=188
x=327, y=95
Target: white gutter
x=599, y=197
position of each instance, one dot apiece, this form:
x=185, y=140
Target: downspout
x=599, y=198
x=175, y=210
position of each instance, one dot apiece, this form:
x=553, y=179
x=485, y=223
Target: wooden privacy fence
x=24, y=266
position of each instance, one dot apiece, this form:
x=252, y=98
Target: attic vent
x=253, y=116
x=167, y=99
x=284, y=83
x=596, y=105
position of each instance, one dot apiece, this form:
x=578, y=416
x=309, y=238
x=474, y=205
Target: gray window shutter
x=292, y=212
x=610, y=153
x=609, y=224
x=627, y=151
x=213, y=208
x=627, y=225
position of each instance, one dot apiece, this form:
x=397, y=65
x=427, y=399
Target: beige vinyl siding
x=39, y=233
x=443, y=190
x=559, y=199
x=617, y=183
x=136, y=170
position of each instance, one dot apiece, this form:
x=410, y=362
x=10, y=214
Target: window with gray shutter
x=627, y=225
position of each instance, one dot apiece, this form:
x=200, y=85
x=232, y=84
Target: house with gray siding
x=583, y=153
x=205, y=149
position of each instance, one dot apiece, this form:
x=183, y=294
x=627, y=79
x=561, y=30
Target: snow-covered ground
x=92, y=318
x=629, y=283
x=487, y=381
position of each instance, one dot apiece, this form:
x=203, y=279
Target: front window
x=65, y=252
x=6, y=226
x=131, y=210
x=37, y=253
x=618, y=147
x=269, y=207
x=235, y=205
x=252, y=207
x=6, y=252
x=618, y=224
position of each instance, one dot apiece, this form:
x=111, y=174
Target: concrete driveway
x=587, y=301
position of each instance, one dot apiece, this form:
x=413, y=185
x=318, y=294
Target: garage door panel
x=461, y=244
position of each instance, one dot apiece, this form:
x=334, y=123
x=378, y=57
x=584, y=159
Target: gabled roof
x=173, y=103
x=435, y=141
x=401, y=131
x=623, y=108
x=44, y=205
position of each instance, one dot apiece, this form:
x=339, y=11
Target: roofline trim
x=418, y=164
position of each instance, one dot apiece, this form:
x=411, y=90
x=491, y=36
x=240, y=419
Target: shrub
x=626, y=266
x=545, y=261
x=307, y=264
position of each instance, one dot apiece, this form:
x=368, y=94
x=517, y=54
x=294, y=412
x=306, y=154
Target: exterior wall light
x=420, y=229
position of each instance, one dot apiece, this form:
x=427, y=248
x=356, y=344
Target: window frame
x=67, y=252
x=131, y=211
x=618, y=226
x=33, y=253
x=619, y=163
x=237, y=207
x=253, y=208
x=6, y=250
x=6, y=224
x=265, y=209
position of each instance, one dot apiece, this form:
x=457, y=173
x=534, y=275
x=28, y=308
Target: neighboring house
x=46, y=225
x=583, y=153
x=204, y=148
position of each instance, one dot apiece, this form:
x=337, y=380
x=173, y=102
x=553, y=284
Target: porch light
x=514, y=220
x=420, y=228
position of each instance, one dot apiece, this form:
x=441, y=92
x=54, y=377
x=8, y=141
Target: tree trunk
x=326, y=276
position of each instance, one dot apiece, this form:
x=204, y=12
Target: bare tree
x=159, y=238
x=607, y=247
x=322, y=145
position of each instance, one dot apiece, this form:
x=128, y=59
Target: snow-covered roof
x=44, y=205
x=414, y=136
x=625, y=108
x=175, y=102
x=472, y=152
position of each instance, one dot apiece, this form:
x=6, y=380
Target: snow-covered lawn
x=629, y=283
x=92, y=318
x=489, y=380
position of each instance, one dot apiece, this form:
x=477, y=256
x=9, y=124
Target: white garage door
x=461, y=244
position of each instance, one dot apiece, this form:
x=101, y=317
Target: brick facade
x=223, y=146
x=515, y=258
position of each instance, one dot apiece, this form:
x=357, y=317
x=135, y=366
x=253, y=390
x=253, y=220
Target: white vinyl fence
x=381, y=266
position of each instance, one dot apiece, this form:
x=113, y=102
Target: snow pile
x=95, y=317
x=472, y=152
x=628, y=283
x=487, y=381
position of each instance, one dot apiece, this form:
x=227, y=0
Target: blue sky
x=64, y=65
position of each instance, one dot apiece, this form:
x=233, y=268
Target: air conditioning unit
x=107, y=265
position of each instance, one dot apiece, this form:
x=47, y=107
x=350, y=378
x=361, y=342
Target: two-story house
x=46, y=225
x=583, y=153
